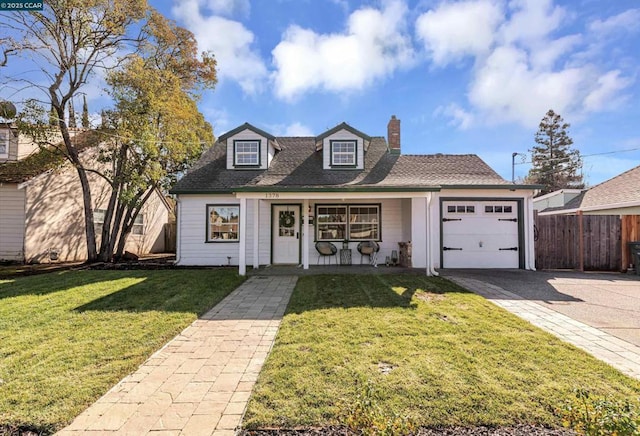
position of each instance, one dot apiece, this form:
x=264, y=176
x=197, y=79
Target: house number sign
x=271, y=195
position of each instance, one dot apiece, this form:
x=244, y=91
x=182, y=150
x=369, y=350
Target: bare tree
x=69, y=41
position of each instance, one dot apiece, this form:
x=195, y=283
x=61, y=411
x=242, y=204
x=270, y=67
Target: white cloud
x=298, y=129
x=521, y=67
x=293, y=129
x=459, y=117
x=455, y=30
x=627, y=20
x=606, y=94
x=506, y=88
x=532, y=21
x=373, y=46
x=230, y=42
x=228, y=7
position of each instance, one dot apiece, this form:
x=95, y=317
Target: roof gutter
x=510, y=187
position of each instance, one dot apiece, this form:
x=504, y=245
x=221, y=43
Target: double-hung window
x=138, y=225
x=4, y=144
x=223, y=222
x=98, y=220
x=246, y=153
x=343, y=153
x=332, y=222
x=356, y=222
x=364, y=222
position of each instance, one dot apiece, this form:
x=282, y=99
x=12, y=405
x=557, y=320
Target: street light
x=513, y=164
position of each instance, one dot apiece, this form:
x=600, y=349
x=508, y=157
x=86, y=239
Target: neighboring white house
x=619, y=195
x=555, y=199
x=254, y=199
x=41, y=208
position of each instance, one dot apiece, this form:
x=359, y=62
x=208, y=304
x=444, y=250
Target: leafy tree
x=69, y=41
x=155, y=130
x=555, y=163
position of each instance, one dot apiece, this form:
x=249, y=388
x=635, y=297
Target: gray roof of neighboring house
x=44, y=159
x=623, y=188
x=299, y=166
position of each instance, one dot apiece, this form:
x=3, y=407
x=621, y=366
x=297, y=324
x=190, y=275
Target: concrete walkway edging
x=618, y=353
x=199, y=383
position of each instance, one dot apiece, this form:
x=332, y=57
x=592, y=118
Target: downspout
x=178, y=223
x=530, y=253
x=430, y=269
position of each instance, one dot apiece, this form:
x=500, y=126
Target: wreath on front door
x=287, y=219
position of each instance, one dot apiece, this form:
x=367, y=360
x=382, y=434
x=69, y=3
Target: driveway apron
x=199, y=382
x=568, y=305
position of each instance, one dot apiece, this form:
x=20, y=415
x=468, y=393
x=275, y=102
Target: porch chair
x=326, y=249
x=369, y=248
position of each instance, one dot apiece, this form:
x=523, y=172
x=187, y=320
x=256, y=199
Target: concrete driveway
x=607, y=301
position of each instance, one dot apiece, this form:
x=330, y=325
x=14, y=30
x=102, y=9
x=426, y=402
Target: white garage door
x=480, y=234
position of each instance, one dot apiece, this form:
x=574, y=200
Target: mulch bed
x=521, y=430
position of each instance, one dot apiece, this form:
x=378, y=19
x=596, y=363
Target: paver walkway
x=198, y=383
x=616, y=352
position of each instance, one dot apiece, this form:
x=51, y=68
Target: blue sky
x=471, y=76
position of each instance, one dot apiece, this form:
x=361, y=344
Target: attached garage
x=481, y=233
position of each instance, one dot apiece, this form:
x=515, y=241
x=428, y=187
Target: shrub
x=365, y=416
x=591, y=415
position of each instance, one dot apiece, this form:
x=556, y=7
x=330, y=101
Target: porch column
x=242, y=255
x=419, y=232
x=256, y=233
x=305, y=233
x=433, y=231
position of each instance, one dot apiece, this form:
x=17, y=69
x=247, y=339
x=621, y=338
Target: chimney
x=393, y=135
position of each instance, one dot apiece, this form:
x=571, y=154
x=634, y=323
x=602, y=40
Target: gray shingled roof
x=299, y=165
x=623, y=188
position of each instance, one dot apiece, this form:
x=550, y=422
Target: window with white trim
x=461, y=208
x=223, y=222
x=343, y=153
x=138, y=225
x=246, y=153
x=498, y=209
x=98, y=220
x=364, y=223
x=4, y=143
x=356, y=222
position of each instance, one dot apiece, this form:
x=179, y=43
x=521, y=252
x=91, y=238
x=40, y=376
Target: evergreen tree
x=72, y=116
x=85, y=112
x=555, y=164
x=53, y=117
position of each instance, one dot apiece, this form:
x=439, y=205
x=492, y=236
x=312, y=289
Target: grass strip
x=432, y=351
x=66, y=338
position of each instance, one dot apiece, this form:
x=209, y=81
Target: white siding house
x=254, y=199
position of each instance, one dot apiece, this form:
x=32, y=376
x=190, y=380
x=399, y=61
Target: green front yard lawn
x=66, y=338
x=431, y=350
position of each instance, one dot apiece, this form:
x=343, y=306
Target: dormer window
x=343, y=153
x=246, y=153
x=4, y=143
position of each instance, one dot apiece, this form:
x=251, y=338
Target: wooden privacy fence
x=170, y=237
x=630, y=232
x=583, y=242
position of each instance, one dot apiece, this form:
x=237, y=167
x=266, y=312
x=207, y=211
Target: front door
x=286, y=234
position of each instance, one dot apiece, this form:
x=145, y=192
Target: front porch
x=282, y=229
x=292, y=270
